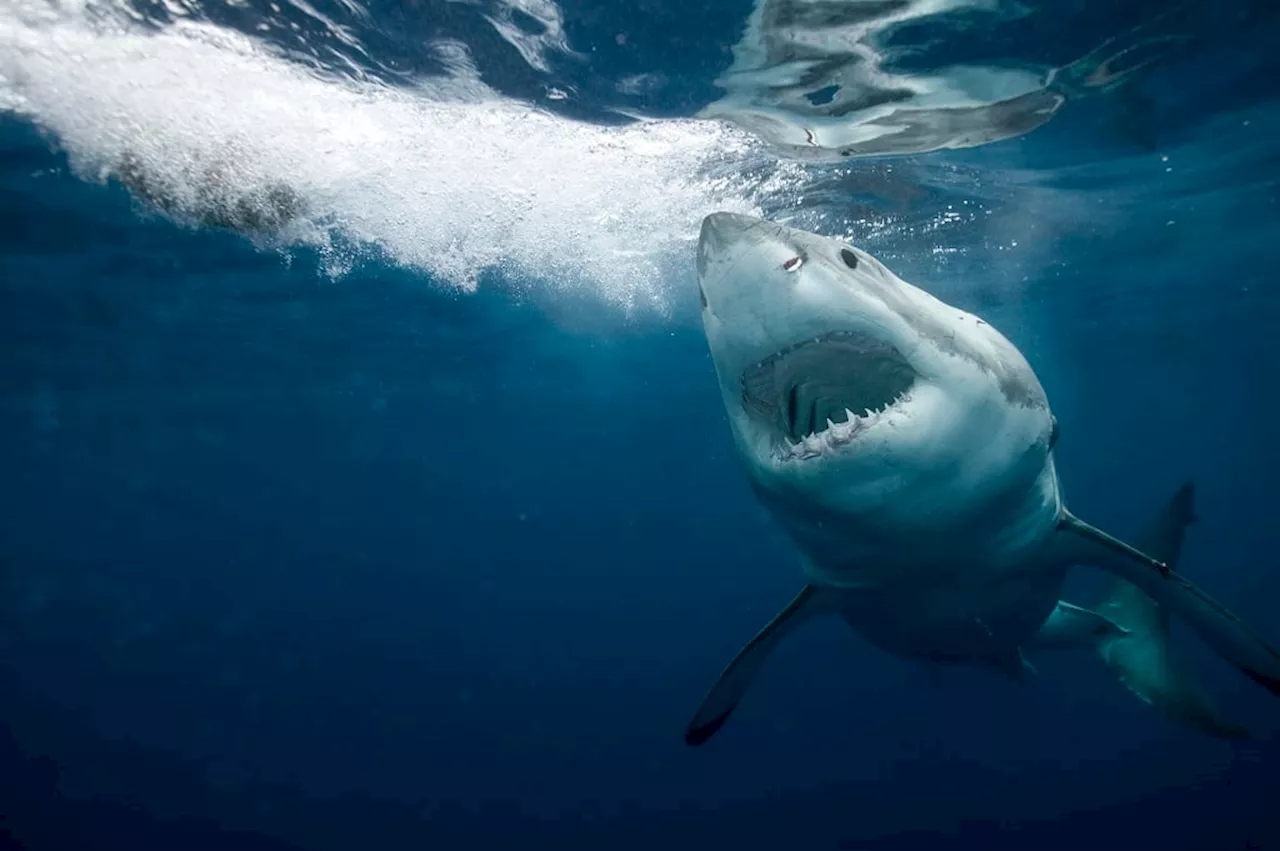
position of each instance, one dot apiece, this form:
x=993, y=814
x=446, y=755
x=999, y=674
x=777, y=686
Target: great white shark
x=907, y=448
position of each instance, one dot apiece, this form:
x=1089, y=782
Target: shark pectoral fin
x=1072, y=626
x=1230, y=637
x=736, y=677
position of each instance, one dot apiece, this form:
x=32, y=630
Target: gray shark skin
x=906, y=448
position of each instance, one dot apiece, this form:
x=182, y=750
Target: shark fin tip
x=698, y=734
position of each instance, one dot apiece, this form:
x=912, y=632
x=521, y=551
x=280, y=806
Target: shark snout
x=721, y=234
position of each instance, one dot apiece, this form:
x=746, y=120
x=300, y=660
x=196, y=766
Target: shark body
x=906, y=447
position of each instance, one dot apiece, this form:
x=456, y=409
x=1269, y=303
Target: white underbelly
x=944, y=585
x=956, y=616
x=881, y=551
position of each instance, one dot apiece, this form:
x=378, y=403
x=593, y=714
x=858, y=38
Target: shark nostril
x=702, y=296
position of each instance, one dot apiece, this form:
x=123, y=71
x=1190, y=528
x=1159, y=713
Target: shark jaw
x=821, y=394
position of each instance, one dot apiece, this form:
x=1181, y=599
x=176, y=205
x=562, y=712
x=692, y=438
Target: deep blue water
x=415, y=522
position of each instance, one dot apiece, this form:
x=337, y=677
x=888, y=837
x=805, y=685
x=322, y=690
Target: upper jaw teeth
x=835, y=434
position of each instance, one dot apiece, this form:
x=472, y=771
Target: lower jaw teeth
x=835, y=434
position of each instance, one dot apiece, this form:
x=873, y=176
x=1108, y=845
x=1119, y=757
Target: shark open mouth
x=822, y=392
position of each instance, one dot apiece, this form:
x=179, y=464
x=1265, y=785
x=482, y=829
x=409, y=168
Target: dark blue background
x=294, y=562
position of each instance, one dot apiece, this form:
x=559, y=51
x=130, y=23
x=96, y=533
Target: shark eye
x=793, y=264
x=850, y=259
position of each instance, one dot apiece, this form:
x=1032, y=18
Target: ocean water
x=364, y=482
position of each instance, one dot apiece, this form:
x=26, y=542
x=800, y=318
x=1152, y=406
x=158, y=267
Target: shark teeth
x=835, y=435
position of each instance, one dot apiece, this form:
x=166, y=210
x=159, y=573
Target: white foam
x=447, y=177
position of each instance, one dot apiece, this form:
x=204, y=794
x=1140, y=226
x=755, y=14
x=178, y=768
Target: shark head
x=853, y=393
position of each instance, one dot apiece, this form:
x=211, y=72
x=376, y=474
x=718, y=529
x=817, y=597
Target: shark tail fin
x=1140, y=600
x=734, y=680
x=1072, y=626
x=1161, y=540
x=1143, y=660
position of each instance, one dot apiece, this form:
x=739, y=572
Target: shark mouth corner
x=820, y=393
